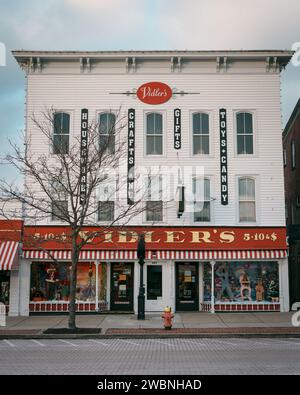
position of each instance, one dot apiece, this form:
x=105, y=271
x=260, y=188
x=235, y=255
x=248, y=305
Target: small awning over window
x=8, y=255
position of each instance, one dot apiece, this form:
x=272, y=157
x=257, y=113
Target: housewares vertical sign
x=223, y=157
x=131, y=156
x=83, y=154
x=177, y=128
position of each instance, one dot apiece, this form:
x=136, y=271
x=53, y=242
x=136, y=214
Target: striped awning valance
x=158, y=255
x=8, y=255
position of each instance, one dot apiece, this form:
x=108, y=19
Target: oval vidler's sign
x=154, y=93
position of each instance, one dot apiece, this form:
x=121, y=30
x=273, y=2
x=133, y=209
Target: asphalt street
x=150, y=356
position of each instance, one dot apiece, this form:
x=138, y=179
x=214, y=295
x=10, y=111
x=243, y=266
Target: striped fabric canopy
x=160, y=255
x=8, y=254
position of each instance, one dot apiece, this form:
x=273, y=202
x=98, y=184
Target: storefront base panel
x=63, y=307
x=222, y=307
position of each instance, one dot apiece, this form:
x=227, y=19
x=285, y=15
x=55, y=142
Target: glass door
x=187, y=297
x=121, y=297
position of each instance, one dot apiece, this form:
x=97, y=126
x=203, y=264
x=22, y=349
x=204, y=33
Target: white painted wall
x=259, y=92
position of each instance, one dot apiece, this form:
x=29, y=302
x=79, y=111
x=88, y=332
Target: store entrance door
x=187, y=296
x=4, y=286
x=121, y=295
x=154, y=288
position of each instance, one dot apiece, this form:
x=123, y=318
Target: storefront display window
x=243, y=282
x=51, y=282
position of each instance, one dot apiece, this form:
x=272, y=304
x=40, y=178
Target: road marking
x=37, y=342
x=127, y=341
x=67, y=342
x=97, y=341
x=199, y=343
x=9, y=343
x=159, y=341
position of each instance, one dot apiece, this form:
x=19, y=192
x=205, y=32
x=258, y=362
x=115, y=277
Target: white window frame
x=210, y=134
x=106, y=111
x=146, y=195
x=113, y=197
x=211, y=189
x=71, y=114
x=254, y=134
x=255, y=179
x=164, y=133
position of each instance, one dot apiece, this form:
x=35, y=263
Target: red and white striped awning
x=158, y=255
x=8, y=255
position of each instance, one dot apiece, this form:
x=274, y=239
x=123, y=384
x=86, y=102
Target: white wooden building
x=229, y=126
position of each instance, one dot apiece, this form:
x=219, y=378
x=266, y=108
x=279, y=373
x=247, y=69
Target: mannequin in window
x=51, y=282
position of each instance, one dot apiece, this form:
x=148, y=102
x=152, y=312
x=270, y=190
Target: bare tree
x=63, y=184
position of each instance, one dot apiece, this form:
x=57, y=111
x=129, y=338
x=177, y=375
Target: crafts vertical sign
x=131, y=156
x=177, y=128
x=83, y=154
x=223, y=157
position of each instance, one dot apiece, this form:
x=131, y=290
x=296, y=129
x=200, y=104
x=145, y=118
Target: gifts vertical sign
x=83, y=154
x=130, y=156
x=223, y=157
x=177, y=128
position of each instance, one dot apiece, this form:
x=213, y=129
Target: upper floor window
x=154, y=134
x=247, y=210
x=59, y=210
x=200, y=133
x=154, y=203
x=284, y=157
x=106, y=197
x=107, y=122
x=61, y=133
x=244, y=130
x=293, y=152
x=201, y=190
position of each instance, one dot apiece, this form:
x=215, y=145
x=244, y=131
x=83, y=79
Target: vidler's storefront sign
x=154, y=93
x=160, y=238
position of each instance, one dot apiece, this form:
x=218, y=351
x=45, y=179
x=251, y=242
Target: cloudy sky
x=140, y=24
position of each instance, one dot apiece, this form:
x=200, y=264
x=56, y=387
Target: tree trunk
x=73, y=281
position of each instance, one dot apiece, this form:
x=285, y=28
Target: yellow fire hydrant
x=168, y=318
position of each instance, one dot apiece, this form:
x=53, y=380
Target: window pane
x=60, y=144
x=65, y=123
x=248, y=123
x=154, y=211
x=150, y=123
x=150, y=145
x=202, y=212
x=246, y=189
x=59, y=209
x=197, y=149
x=106, y=211
x=154, y=282
x=103, y=126
x=249, y=144
x=107, y=142
x=196, y=123
x=247, y=211
x=207, y=189
x=158, y=145
x=240, y=123
x=204, y=124
x=240, y=144
x=158, y=123
x=61, y=123
x=205, y=145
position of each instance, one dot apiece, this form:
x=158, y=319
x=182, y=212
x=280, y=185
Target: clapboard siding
x=247, y=87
